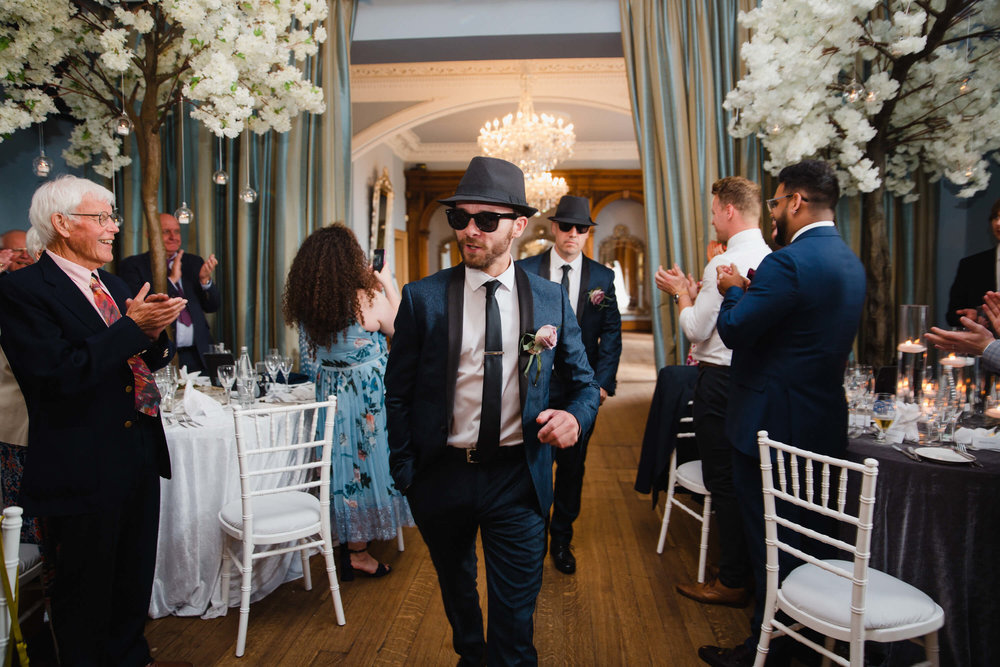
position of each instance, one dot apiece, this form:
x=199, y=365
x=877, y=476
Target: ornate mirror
x=381, y=210
x=538, y=241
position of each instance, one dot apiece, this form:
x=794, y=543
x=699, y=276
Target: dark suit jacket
x=135, y=271
x=976, y=275
x=423, y=367
x=790, y=334
x=601, y=327
x=73, y=370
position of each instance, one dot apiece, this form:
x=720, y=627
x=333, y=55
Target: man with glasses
x=790, y=331
x=736, y=219
x=189, y=276
x=591, y=289
x=16, y=242
x=83, y=348
x=470, y=430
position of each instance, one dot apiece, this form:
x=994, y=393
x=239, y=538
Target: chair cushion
x=29, y=556
x=889, y=602
x=689, y=476
x=275, y=514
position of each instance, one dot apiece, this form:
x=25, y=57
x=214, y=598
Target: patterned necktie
x=565, y=279
x=489, y=421
x=185, y=316
x=147, y=397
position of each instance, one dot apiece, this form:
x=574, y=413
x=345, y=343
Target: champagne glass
x=227, y=376
x=884, y=413
x=273, y=363
x=286, y=366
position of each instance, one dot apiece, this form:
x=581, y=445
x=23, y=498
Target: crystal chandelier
x=543, y=191
x=533, y=142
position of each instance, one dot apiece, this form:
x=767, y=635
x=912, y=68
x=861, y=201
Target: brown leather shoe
x=714, y=591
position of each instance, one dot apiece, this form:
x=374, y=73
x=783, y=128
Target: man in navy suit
x=190, y=277
x=82, y=348
x=977, y=274
x=591, y=290
x=791, y=331
x=470, y=430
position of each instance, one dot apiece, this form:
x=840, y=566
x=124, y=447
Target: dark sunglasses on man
x=565, y=228
x=486, y=221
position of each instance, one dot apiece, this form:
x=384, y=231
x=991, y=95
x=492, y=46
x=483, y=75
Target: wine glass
x=273, y=363
x=227, y=376
x=884, y=413
x=286, y=366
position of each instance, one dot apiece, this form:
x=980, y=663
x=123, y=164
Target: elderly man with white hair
x=83, y=349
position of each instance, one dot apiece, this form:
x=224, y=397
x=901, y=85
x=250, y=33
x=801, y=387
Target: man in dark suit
x=82, y=349
x=790, y=331
x=977, y=274
x=591, y=290
x=470, y=430
x=190, y=277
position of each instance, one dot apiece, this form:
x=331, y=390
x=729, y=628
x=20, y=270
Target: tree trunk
x=878, y=317
x=150, y=152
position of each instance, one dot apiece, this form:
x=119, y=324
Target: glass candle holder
x=911, y=352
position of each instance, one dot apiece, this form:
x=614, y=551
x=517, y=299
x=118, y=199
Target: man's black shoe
x=562, y=556
x=739, y=656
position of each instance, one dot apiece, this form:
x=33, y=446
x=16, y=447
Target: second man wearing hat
x=591, y=289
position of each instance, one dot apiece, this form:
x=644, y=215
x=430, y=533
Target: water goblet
x=273, y=363
x=286, y=366
x=884, y=413
x=227, y=376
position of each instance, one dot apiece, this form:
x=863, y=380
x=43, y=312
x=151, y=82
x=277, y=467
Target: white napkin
x=980, y=438
x=905, y=426
x=303, y=392
x=197, y=404
x=194, y=377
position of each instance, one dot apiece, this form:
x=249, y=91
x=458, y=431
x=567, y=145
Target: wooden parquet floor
x=620, y=607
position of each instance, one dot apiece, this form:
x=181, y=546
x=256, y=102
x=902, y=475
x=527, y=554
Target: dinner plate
x=942, y=454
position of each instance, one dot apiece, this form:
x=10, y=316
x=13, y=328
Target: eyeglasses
x=103, y=218
x=566, y=227
x=486, y=221
x=771, y=203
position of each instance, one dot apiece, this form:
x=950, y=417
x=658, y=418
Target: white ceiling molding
x=408, y=148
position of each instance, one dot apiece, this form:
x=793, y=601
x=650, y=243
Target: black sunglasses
x=486, y=221
x=565, y=227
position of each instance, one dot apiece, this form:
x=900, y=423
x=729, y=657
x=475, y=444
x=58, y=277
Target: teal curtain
x=302, y=179
x=681, y=59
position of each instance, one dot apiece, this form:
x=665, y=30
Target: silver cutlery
x=905, y=452
x=913, y=454
x=972, y=459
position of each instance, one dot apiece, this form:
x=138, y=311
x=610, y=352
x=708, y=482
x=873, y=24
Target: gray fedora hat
x=490, y=180
x=574, y=210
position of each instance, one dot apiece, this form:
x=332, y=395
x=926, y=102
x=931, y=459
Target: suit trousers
x=567, y=489
x=104, y=565
x=711, y=394
x=451, y=500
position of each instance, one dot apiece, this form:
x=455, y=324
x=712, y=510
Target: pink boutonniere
x=598, y=298
x=534, y=344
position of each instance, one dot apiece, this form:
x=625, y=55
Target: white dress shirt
x=821, y=223
x=555, y=274
x=469, y=385
x=745, y=249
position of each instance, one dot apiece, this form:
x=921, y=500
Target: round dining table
x=936, y=528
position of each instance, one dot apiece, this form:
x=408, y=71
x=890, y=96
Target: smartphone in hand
x=378, y=260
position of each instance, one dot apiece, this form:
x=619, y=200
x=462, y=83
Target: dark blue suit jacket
x=791, y=333
x=976, y=275
x=423, y=368
x=601, y=327
x=78, y=387
x=135, y=271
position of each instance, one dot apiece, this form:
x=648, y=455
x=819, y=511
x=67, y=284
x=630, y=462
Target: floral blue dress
x=364, y=501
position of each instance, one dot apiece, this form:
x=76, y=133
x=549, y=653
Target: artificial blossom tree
x=881, y=89
x=234, y=61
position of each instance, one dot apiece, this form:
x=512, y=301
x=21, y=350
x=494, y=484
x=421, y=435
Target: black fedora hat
x=574, y=210
x=490, y=180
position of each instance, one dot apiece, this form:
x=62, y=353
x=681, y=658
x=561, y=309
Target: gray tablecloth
x=936, y=528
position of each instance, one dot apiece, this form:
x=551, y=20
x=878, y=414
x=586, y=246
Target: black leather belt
x=707, y=364
x=472, y=455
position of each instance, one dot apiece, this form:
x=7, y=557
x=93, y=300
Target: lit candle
x=992, y=412
x=953, y=361
x=912, y=346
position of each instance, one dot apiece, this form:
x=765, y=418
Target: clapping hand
x=207, y=268
x=729, y=276
x=673, y=281
x=175, y=268
x=153, y=312
x=973, y=340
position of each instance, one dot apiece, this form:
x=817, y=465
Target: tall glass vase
x=911, y=352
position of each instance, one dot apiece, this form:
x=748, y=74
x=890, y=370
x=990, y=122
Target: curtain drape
x=302, y=180
x=681, y=59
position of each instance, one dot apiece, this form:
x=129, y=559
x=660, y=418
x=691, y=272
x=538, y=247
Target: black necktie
x=489, y=421
x=565, y=280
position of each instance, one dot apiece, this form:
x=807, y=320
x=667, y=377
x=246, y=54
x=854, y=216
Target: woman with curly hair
x=344, y=310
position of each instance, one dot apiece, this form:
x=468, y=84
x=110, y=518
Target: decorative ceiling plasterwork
x=438, y=90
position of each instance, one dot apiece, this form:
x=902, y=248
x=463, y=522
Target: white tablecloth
x=205, y=476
